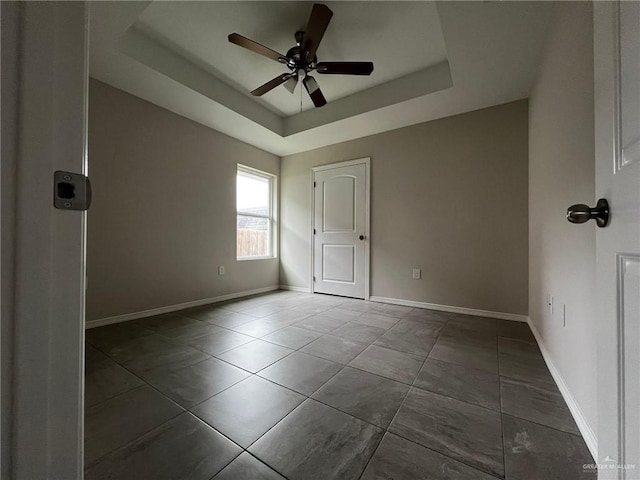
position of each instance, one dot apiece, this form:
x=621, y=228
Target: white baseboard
x=578, y=415
x=295, y=289
x=451, y=309
x=173, y=308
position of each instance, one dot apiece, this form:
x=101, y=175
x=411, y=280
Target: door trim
x=367, y=214
x=48, y=335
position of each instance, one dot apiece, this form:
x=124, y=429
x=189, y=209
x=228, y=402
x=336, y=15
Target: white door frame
x=367, y=213
x=48, y=322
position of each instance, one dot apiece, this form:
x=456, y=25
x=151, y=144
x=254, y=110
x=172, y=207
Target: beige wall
x=448, y=196
x=561, y=173
x=163, y=215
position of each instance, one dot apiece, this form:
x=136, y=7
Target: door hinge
x=314, y=231
x=71, y=191
x=314, y=184
x=314, y=279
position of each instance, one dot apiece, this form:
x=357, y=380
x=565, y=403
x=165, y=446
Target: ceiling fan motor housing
x=295, y=57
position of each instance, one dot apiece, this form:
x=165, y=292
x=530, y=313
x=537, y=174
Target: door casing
x=49, y=278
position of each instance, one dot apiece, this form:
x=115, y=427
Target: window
x=255, y=199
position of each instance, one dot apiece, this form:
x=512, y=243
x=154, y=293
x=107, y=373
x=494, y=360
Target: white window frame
x=272, y=217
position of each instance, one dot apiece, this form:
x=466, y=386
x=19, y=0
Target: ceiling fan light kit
x=301, y=59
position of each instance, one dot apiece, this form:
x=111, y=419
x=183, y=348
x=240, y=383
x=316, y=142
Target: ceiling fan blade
x=271, y=84
x=256, y=47
x=291, y=83
x=345, y=68
x=318, y=23
x=314, y=91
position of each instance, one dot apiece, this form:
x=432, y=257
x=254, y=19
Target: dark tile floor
x=297, y=386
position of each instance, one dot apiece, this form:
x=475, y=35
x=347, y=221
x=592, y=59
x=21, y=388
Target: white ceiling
x=432, y=59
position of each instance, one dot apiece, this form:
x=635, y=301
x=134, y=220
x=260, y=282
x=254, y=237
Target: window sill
x=244, y=259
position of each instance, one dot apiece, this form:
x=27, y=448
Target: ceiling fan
x=301, y=59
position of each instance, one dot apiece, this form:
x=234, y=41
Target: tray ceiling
x=432, y=59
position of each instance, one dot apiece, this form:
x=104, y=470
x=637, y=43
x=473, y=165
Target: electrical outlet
x=221, y=270
x=417, y=274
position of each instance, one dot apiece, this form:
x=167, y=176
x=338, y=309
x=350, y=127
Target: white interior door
x=340, y=229
x=617, y=141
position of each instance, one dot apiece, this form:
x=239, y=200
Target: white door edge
x=358, y=161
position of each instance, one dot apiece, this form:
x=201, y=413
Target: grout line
x=502, y=436
x=386, y=431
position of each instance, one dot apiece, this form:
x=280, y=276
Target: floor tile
x=392, y=364
x=464, y=383
x=246, y=467
x=311, y=308
x=292, y=337
x=518, y=347
x=119, y=420
x=534, y=451
x=316, y=442
x=474, y=356
x=260, y=327
x=228, y=319
x=255, y=356
x=469, y=335
x=365, y=396
x=288, y=315
x=111, y=335
x=543, y=405
x=152, y=351
x=518, y=330
x=410, y=337
x=394, y=310
x=336, y=349
x=340, y=313
x=263, y=310
x=321, y=323
x=356, y=305
x=443, y=422
x=377, y=320
x=167, y=321
x=465, y=432
x=301, y=372
x=523, y=361
x=105, y=383
x=94, y=359
x=183, y=448
x=190, y=332
x=191, y=385
x=400, y=459
x=204, y=312
x=247, y=410
x=358, y=332
x=220, y=342
x=325, y=299
x=424, y=315
x=472, y=322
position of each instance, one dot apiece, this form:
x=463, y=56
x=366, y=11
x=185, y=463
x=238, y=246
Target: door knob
x=361, y=237
x=581, y=213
